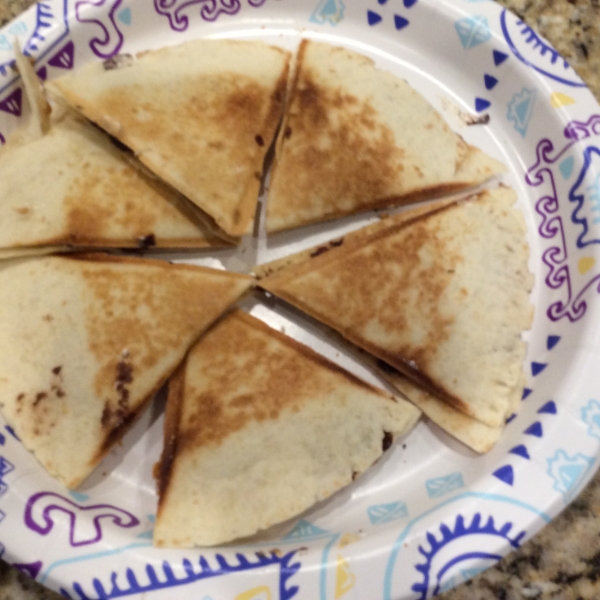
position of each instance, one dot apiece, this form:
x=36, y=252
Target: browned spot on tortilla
x=147, y=241
x=163, y=469
x=208, y=133
x=22, y=210
x=38, y=398
x=318, y=251
x=268, y=370
x=348, y=156
x=341, y=154
x=388, y=440
x=101, y=202
x=144, y=307
x=118, y=61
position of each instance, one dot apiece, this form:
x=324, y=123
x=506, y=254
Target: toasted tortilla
x=258, y=428
x=356, y=138
x=352, y=240
x=86, y=342
x=200, y=115
x=40, y=123
x=443, y=298
x=473, y=433
x=74, y=187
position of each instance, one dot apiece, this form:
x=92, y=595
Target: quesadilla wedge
x=258, y=428
x=86, y=341
x=473, y=433
x=357, y=138
x=443, y=298
x=74, y=187
x=200, y=115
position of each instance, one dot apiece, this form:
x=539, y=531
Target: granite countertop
x=563, y=561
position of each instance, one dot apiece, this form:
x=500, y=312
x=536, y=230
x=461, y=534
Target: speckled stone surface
x=563, y=561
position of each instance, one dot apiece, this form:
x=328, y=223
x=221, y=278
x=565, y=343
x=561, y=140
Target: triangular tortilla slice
x=74, y=187
x=471, y=432
x=258, y=428
x=443, y=298
x=356, y=138
x=86, y=342
x=200, y=115
x=353, y=239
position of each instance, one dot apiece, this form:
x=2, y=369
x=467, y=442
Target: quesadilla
x=357, y=138
x=471, y=432
x=200, y=115
x=258, y=428
x=85, y=342
x=442, y=297
x=74, y=187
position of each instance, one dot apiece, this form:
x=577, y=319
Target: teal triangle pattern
x=566, y=167
x=329, y=9
x=304, y=530
x=125, y=16
x=332, y=12
x=569, y=474
x=521, y=109
x=78, y=496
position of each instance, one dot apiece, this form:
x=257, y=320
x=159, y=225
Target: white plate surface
x=431, y=514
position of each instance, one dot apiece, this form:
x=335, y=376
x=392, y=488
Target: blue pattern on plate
x=473, y=31
x=328, y=11
x=384, y=513
x=304, y=530
x=432, y=576
x=520, y=109
x=440, y=486
x=568, y=472
x=590, y=415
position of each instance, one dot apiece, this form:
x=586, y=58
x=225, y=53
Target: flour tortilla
x=474, y=434
x=34, y=91
x=356, y=138
x=86, y=342
x=258, y=428
x=74, y=187
x=443, y=298
x=200, y=115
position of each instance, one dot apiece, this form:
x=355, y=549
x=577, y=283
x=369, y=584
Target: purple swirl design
x=104, y=11
x=552, y=228
x=210, y=10
x=79, y=534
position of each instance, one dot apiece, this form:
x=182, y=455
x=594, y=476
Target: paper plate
x=431, y=514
